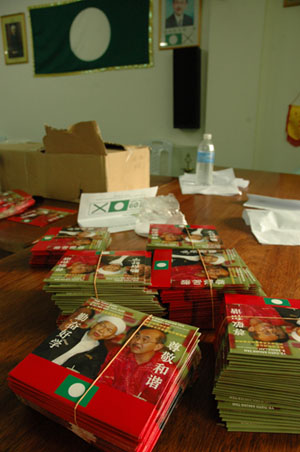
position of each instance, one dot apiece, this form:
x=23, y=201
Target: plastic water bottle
x=205, y=161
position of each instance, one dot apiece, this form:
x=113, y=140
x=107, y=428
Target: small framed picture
x=180, y=23
x=14, y=38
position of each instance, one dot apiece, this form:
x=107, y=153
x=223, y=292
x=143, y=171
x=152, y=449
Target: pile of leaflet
x=96, y=407
x=57, y=241
x=192, y=283
x=124, y=276
x=258, y=364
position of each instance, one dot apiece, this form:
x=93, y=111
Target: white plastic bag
x=158, y=210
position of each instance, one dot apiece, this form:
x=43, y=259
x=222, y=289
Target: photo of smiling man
x=143, y=368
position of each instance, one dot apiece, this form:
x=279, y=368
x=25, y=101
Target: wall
x=131, y=106
x=253, y=75
x=250, y=74
x=280, y=85
x=233, y=78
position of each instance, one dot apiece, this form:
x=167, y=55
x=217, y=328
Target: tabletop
x=28, y=315
x=17, y=236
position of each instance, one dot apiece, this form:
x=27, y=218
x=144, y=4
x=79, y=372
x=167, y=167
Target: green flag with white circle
x=174, y=39
x=277, y=302
x=73, y=388
x=161, y=265
x=87, y=35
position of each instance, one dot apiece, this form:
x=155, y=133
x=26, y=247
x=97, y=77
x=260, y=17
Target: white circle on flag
x=76, y=390
x=161, y=264
x=173, y=39
x=119, y=205
x=90, y=34
x=276, y=301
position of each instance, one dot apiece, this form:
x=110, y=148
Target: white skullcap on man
x=119, y=323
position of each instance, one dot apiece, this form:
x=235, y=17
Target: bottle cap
x=207, y=136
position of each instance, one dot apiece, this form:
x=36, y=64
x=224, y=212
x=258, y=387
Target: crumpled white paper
x=224, y=184
x=276, y=221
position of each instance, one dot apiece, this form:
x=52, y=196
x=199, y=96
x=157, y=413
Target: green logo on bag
x=276, y=302
x=118, y=206
x=72, y=388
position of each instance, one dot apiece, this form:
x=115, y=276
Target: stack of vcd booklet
x=105, y=362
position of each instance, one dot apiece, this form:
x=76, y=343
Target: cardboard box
x=73, y=161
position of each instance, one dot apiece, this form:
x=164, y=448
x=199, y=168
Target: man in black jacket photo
x=80, y=349
x=179, y=18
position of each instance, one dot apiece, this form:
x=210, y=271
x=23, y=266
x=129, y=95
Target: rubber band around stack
x=146, y=320
x=95, y=275
x=207, y=275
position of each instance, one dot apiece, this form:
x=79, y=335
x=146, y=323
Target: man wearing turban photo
x=80, y=349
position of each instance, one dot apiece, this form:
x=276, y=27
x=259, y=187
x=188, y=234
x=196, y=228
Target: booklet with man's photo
x=58, y=240
x=263, y=326
x=198, y=268
x=42, y=216
x=103, y=362
x=132, y=267
x=258, y=364
x=183, y=237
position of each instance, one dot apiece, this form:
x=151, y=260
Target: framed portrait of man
x=180, y=23
x=14, y=38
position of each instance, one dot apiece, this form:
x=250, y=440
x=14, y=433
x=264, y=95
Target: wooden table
x=28, y=316
x=17, y=236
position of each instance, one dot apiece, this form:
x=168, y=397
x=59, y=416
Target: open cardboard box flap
x=73, y=161
x=81, y=138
